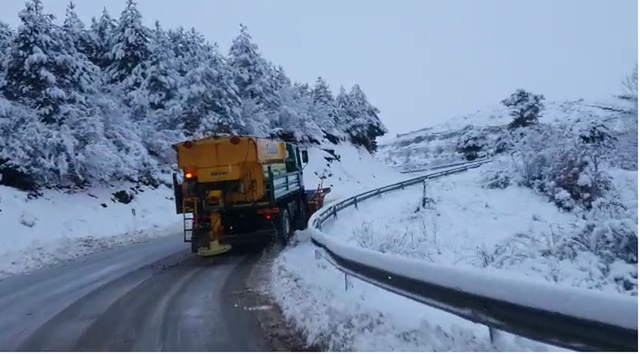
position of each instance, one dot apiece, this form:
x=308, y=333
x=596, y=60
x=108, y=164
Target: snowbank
x=351, y=315
x=60, y=226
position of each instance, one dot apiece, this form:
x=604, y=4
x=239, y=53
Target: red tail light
x=189, y=175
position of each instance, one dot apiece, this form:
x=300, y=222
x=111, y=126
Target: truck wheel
x=284, y=227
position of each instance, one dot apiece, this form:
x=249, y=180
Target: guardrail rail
x=571, y=318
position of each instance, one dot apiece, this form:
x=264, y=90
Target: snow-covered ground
x=512, y=232
x=61, y=226
x=354, y=171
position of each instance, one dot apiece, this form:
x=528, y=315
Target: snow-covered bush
x=471, y=144
x=497, y=175
x=552, y=160
x=569, y=163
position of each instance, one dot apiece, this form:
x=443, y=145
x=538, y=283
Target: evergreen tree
x=364, y=125
x=162, y=78
x=210, y=99
x=102, y=35
x=130, y=45
x=75, y=30
x=190, y=49
x=6, y=36
x=42, y=71
x=325, y=110
x=525, y=108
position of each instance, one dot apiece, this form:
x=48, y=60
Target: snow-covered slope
x=346, y=169
x=59, y=226
x=511, y=231
x=436, y=145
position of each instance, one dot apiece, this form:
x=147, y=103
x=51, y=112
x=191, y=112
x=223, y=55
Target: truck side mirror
x=305, y=156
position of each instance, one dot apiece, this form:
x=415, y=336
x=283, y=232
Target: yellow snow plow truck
x=241, y=187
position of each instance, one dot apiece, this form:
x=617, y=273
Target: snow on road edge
x=61, y=226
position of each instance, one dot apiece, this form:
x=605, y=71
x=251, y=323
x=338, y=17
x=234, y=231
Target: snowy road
x=150, y=296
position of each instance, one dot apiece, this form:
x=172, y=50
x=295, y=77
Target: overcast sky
x=419, y=61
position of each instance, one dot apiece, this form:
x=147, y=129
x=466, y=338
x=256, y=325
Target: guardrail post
x=355, y=201
x=347, y=283
x=424, y=193
x=335, y=213
x=494, y=335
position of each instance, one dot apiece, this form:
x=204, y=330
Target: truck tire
x=284, y=227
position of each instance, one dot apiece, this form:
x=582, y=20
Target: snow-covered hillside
x=557, y=204
x=347, y=170
x=438, y=144
x=511, y=231
x=61, y=225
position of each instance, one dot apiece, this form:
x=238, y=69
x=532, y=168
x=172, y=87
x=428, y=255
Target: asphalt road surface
x=152, y=296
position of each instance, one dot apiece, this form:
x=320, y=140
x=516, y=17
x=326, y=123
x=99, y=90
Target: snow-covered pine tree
x=6, y=36
x=525, y=108
x=363, y=125
x=210, y=100
x=43, y=72
x=79, y=35
x=130, y=45
x=343, y=106
x=253, y=79
x=102, y=34
x=162, y=78
x=325, y=111
x=250, y=68
x=298, y=104
x=190, y=49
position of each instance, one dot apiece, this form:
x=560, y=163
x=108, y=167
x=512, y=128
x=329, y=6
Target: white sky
x=419, y=61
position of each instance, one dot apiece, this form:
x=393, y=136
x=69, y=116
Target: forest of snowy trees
x=88, y=103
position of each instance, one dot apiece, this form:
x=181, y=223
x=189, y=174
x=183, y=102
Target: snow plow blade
x=315, y=199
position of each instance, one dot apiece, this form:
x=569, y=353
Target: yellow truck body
x=239, y=185
x=246, y=160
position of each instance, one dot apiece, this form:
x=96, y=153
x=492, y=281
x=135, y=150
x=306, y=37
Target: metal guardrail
x=610, y=322
x=439, y=167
